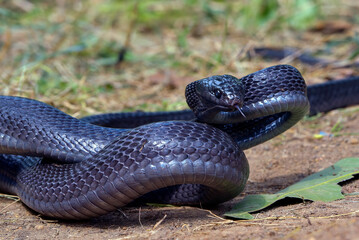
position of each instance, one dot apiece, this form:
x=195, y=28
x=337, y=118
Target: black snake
x=68, y=168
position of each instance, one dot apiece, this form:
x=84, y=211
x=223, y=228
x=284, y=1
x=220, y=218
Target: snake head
x=211, y=96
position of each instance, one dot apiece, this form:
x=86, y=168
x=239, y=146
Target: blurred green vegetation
x=275, y=15
x=70, y=49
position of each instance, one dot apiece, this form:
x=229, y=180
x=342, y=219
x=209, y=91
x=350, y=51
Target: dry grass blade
x=10, y=204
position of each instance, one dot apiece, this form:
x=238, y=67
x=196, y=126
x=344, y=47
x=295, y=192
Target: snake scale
x=68, y=168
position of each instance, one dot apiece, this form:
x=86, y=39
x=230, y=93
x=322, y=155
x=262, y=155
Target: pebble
x=39, y=227
x=353, y=141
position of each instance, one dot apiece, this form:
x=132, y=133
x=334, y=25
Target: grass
x=66, y=53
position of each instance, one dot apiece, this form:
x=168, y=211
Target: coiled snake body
x=68, y=168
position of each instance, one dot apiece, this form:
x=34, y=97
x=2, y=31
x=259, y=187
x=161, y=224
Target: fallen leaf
x=321, y=186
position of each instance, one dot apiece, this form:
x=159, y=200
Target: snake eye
x=217, y=93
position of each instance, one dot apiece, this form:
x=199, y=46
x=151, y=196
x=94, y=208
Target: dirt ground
x=274, y=166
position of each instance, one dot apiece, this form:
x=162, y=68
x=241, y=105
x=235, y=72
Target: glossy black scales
x=134, y=163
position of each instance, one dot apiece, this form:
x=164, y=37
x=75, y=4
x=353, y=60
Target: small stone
x=353, y=141
x=39, y=227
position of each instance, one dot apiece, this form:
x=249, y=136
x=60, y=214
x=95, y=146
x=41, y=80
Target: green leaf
x=320, y=186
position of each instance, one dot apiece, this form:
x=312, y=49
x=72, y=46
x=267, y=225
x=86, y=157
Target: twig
x=139, y=217
x=159, y=222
